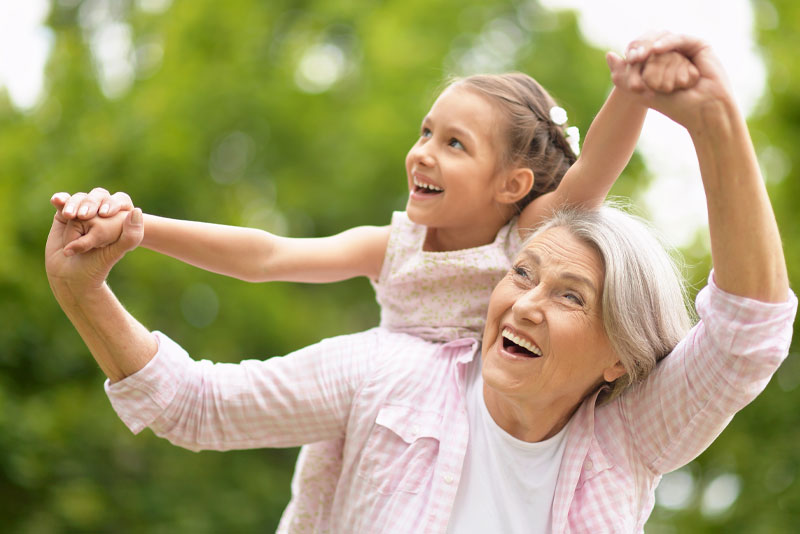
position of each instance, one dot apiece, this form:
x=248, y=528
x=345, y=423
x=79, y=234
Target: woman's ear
x=615, y=371
x=514, y=185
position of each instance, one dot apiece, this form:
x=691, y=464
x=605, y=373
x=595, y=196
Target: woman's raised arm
x=120, y=344
x=745, y=243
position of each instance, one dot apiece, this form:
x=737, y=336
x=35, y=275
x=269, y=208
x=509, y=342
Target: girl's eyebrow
x=455, y=131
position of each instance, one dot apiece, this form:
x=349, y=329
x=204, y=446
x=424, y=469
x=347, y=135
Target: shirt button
x=588, y=465
x=448, y=478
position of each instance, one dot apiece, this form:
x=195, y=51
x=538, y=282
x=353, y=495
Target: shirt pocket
x=401, y=450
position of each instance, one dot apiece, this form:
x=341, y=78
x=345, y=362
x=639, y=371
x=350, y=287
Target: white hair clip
x=574, y=139
x=558, y=115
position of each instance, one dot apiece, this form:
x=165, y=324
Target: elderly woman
x=559, y=421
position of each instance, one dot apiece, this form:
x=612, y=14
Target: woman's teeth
x=525, y=344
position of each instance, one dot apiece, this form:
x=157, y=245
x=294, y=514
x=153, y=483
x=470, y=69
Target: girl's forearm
x=606, y=151
x=228, y=250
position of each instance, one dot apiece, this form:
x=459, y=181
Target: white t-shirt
x=507, y=485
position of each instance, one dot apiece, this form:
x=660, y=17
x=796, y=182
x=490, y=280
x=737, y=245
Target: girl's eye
x=455, y=143
x=425, y=133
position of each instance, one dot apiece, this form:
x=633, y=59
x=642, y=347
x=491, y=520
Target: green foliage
x=219, y=130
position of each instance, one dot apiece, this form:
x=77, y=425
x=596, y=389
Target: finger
x=83, y=242
x=58, y=216
x=70, y=210
x=59, y=200
x=614, y=61
x=79, y=245
x=684, y=44
x=132, y=232
x=641, y=48
x=682, y=77
x=115, y=203
x=653, y=72
x=634, y=75
x=669, y=77
x=686, y=73
x=616, y=65
x=693, y=75
x=90, y=204
x=635, y=51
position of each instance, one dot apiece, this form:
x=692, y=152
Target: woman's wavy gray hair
x=645, y=304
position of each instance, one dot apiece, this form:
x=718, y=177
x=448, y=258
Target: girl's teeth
x=427, y=186
x=521, y=342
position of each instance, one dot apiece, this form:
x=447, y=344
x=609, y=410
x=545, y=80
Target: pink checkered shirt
x=399, y=401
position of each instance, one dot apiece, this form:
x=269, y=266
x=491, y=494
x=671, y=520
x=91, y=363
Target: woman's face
x=544, y=340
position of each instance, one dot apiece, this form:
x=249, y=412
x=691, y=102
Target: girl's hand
x=668, y=72
x=87, y=205
x=82, y=236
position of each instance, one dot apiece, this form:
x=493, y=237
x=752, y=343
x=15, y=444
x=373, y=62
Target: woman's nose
x=529, y=306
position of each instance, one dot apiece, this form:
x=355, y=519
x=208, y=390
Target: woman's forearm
x=745, y=243
x=120, y=344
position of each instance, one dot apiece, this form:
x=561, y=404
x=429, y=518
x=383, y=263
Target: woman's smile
x=517, y=345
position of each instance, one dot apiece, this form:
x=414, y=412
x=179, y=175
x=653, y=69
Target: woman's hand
x=84, y=206
x=120, y=344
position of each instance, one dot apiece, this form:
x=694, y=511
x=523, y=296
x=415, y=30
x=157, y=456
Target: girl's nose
x=529, y=306
x=423, y=153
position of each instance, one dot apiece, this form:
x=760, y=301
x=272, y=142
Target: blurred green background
x=293, y=116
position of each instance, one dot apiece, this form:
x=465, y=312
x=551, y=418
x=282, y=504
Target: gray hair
x=645, y=304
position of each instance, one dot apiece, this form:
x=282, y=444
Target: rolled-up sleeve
x=284, y=401
x=724, y=362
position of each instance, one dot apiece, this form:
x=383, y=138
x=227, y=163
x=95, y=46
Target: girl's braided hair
x=532, y=139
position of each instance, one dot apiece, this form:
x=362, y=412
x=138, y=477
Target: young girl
x=490, y=162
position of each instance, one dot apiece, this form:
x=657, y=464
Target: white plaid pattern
x=399, y=401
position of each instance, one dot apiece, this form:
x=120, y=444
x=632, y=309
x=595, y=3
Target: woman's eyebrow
x=567, y=275
x=580, y=279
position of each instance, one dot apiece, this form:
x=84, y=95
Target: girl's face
x=454, y=168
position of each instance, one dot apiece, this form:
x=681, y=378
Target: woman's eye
x=455, y=143
x=520, y=271
x=574, y=298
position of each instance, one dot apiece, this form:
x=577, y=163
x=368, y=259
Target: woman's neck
x=527, y=421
